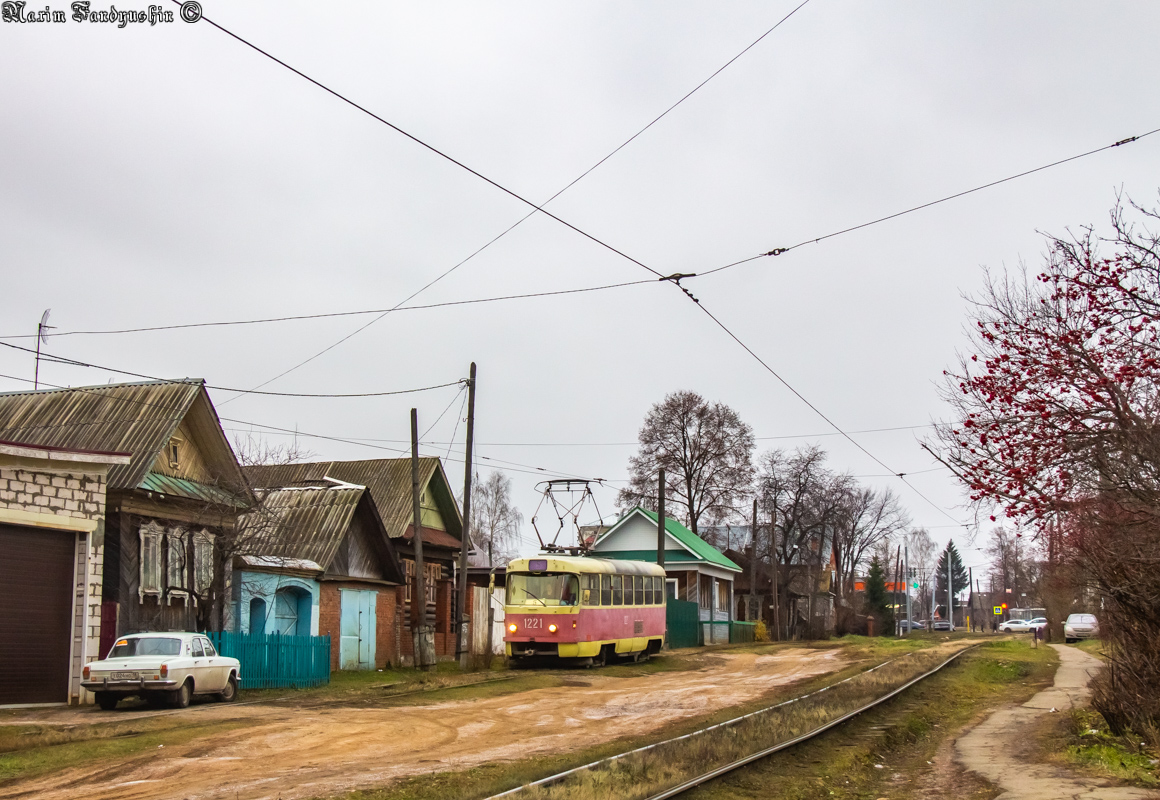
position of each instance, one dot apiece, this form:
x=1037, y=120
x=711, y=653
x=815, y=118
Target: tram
x=576, y=607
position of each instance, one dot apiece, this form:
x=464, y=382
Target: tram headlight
x=552, y=628
x=512, y=627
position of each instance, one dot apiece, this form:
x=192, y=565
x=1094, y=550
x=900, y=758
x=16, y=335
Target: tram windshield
x=543, y=589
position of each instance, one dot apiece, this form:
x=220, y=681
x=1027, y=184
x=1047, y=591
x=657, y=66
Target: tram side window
x=658, y=589
x=617, y=591
x=605, y=590
x=588, y=595
x=648, y=590
x=638, y=582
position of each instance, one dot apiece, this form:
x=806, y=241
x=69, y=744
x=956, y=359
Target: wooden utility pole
x=461, y=647
x=773, y=562
x=752, y=566
x=422, y=630
x=661, y=518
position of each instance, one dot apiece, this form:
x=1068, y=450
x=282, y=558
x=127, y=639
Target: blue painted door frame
x=357, y=624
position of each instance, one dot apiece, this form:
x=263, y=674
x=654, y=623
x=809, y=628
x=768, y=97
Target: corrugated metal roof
x=190, y=490
x=307, y=523
x=134, y=418
x=387, y=479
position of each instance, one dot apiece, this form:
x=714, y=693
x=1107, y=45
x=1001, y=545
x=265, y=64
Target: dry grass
x=641, y=775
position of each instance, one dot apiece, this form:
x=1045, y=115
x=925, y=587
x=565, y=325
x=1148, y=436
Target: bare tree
x=867, y=520
x=495, y=521
x=923, y=553
x=706, y=451
x=253, y=451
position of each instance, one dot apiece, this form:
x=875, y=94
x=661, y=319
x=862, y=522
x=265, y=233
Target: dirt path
x=295, y=754
x=996, y=748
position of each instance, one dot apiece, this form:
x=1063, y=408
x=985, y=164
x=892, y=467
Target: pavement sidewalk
x=995, y=748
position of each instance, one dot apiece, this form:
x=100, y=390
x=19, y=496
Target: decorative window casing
x=432, y=573
x=149, y=579
x=202, y=561
x=177, y=549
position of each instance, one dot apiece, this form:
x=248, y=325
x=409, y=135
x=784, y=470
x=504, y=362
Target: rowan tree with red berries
x=1057, y=411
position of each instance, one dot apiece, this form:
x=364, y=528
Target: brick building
x=52, y=534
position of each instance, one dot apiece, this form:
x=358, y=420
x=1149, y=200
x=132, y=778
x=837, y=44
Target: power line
x=73, y=362
x=327, y=315
x=777, y=251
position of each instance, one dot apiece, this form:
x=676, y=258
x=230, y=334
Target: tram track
x=546, y=784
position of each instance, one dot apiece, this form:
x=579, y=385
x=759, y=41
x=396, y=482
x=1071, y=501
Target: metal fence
x=273, y=661
x=684, y=623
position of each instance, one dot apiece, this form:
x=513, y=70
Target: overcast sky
x=167, y=174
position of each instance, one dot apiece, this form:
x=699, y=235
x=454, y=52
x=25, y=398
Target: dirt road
x=305, y=753
x=995, y=748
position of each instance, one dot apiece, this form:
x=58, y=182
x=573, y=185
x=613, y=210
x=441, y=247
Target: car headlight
x=512, y=627
x=552, y=628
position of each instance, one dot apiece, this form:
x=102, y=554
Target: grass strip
x=645, y=773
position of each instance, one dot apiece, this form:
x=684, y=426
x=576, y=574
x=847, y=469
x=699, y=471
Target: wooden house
x=322, y=564
x=52, y=529
x=388, y=482
x=696, y=571
x=171, y=509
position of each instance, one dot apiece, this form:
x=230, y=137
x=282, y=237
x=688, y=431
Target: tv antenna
x=567, y=497
x=42, y=330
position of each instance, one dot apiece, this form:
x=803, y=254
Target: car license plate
x=124, y=676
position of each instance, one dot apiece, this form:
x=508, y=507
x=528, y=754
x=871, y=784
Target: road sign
x=998, y=611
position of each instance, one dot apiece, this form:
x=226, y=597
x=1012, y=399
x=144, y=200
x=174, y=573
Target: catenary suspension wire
x=518, y=222
x=777, y=251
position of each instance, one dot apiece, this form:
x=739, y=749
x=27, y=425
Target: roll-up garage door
x=36, y=608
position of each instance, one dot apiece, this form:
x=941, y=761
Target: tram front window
x=544, y=589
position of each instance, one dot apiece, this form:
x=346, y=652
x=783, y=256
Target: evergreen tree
x=878, y=601
x=958, y=574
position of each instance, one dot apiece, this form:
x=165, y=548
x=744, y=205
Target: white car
x=1080, y=626
x=1023, y=625
x=162, y=666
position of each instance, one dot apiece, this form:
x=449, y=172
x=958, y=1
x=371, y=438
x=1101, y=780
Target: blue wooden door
x=356, y=648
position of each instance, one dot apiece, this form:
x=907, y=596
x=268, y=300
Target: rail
x=676, y=790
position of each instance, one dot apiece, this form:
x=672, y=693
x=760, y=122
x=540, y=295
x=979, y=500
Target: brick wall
x=330, y=619
x=76, y=495
x=68, y=494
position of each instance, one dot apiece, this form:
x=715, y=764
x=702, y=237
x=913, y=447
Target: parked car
x=943, y=625
x=161, y=667
x=1080, y=626
x=1023, y=625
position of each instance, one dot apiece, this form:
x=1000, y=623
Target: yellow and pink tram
x=576, y=607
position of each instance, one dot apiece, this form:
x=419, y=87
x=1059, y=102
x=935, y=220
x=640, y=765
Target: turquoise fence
x=740, y=632
x=273, y=661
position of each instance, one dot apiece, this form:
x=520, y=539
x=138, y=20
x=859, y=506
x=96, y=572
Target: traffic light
x=1003, y=606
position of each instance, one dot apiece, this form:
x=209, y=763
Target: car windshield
x=544, y=589
x=1082, y=618
x=146, y=646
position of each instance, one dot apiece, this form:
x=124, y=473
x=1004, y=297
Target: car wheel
x=107, y=701
x=230, y=693
x=181, y=697
x=1070, y=641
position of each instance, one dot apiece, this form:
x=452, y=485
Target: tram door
x=356, y=648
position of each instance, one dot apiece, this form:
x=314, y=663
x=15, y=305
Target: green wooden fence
x=684, y=623
x=741, y=632
x=273, y=661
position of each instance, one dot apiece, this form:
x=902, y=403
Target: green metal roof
x=190, y=490
x=704, y=550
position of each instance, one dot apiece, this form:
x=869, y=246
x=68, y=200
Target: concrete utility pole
x=950, y=591
x=424, y=639
x=490, y=604
x=461, y=646
x=661, y=518
x=906, y=564
x=749, y=606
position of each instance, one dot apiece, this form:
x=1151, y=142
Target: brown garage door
x=36, y=606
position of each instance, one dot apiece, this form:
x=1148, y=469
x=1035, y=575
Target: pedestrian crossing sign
x=998, y=611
